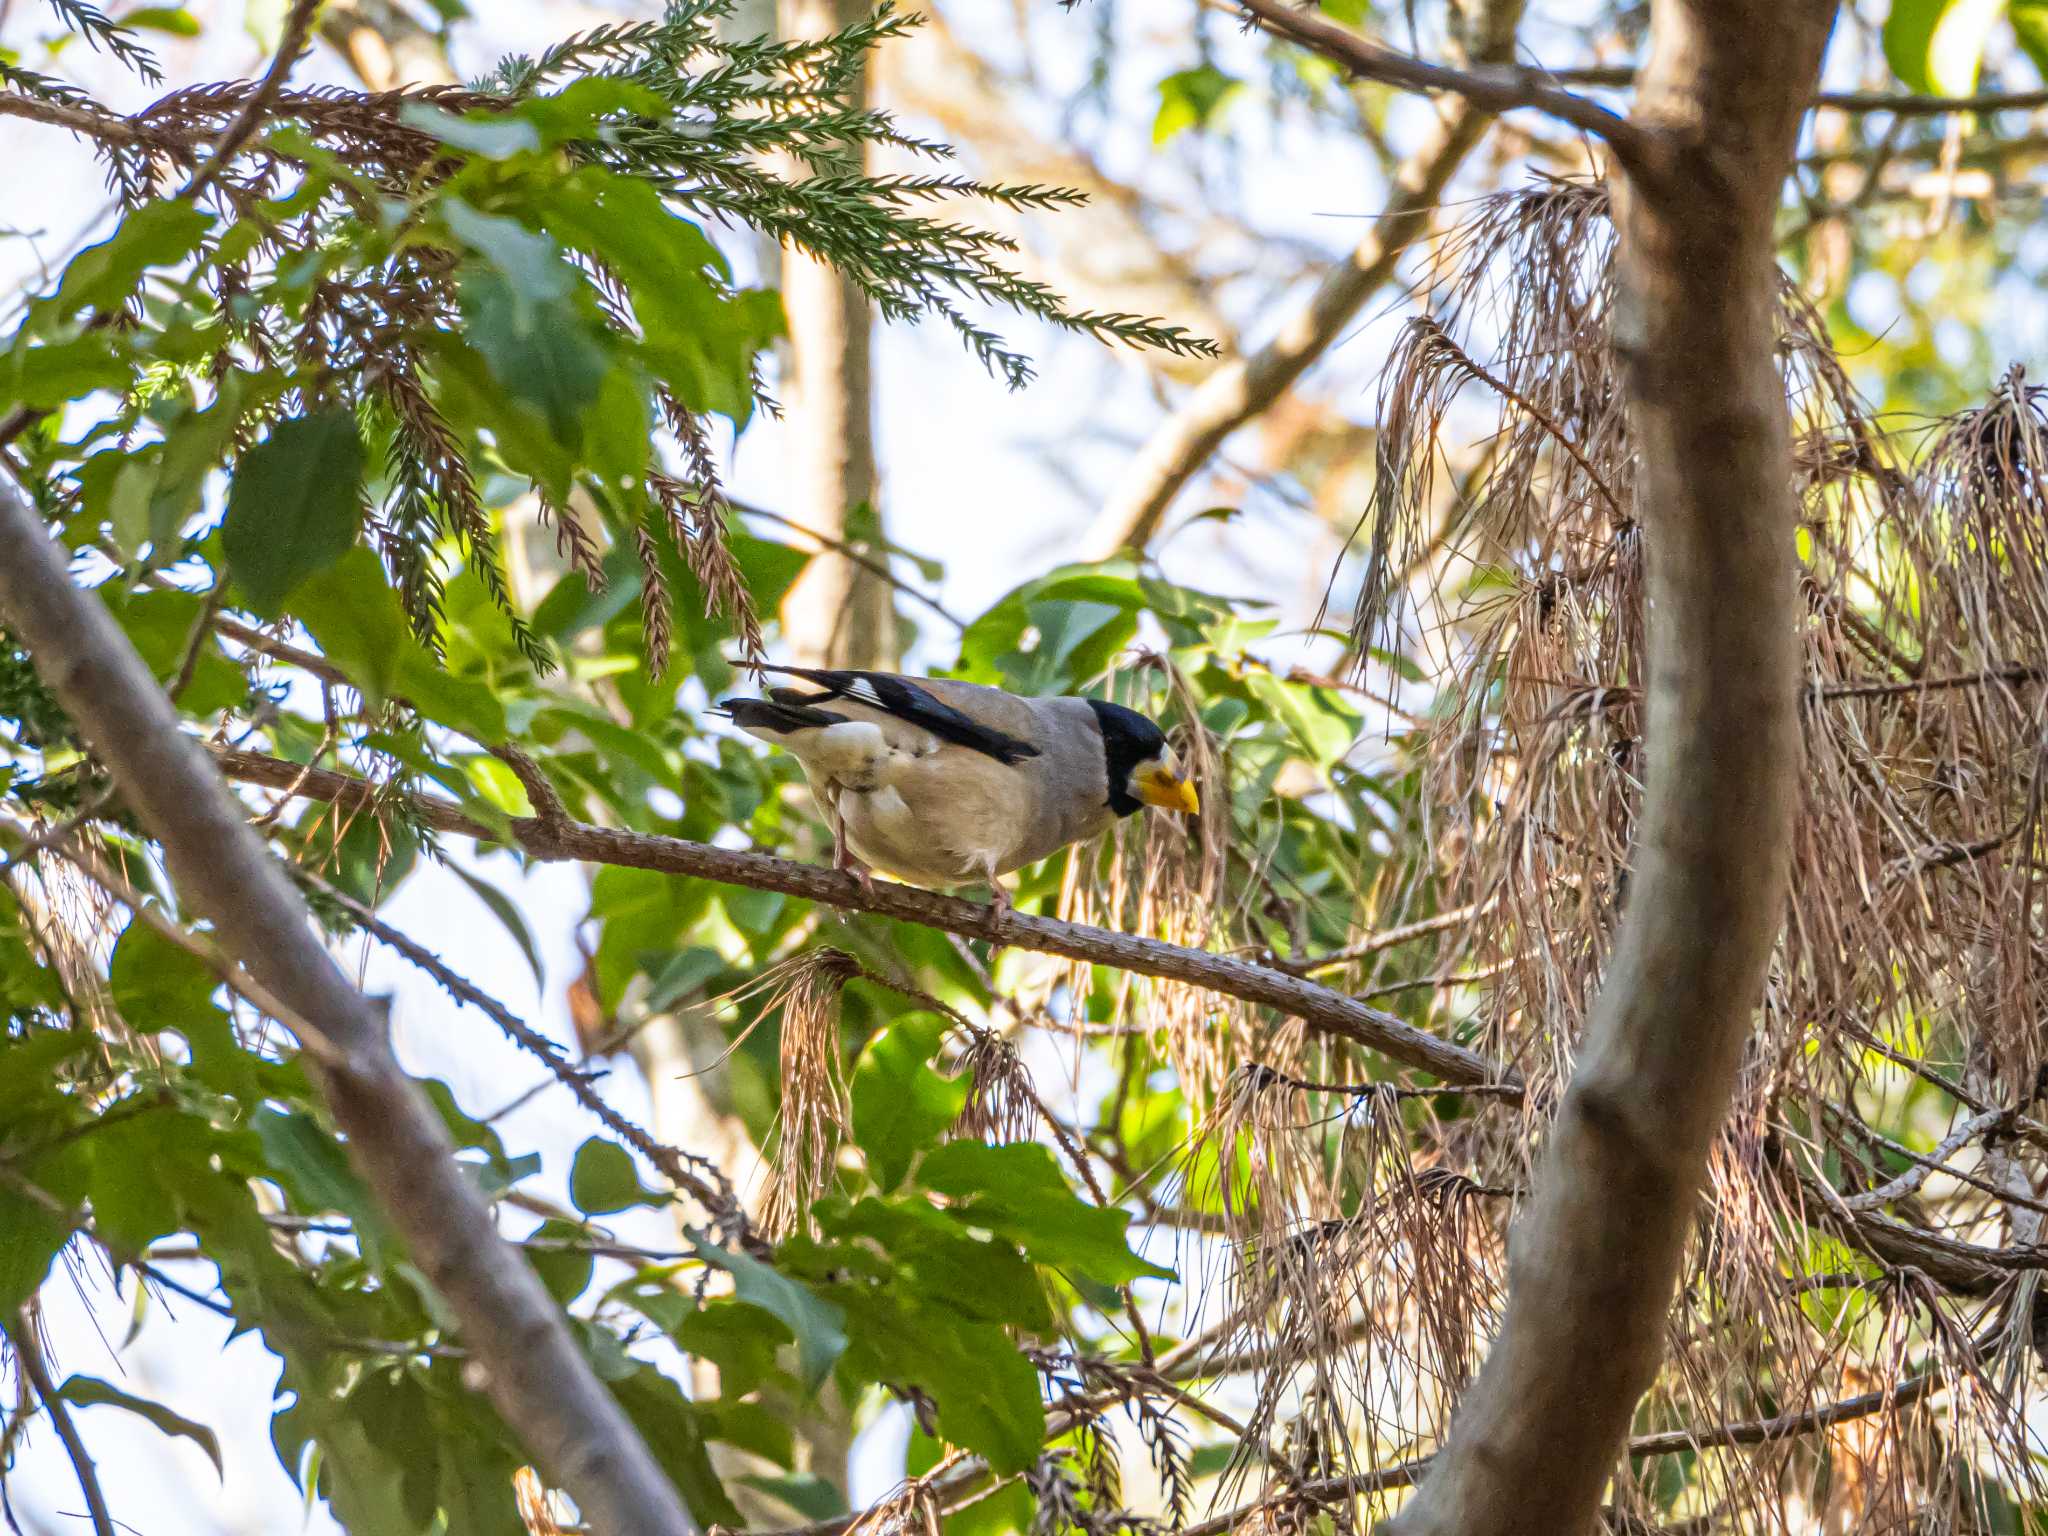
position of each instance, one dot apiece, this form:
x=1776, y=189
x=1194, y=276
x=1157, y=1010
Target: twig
x=1616, y=76
x=710, y=1188
x=195, y=642
x=1387, y=938
x=1318, y=1006
x=1495, y=88
x=855, y=553
x=245, y=123
x=29, y=1353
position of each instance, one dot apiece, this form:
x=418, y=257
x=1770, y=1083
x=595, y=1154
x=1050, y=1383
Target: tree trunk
x=838, y=614
x=1594, y=1262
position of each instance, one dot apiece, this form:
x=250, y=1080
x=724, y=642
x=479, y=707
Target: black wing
x=903, y=699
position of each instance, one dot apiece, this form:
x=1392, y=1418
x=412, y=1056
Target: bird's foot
x=1000, y=906
x=844, y=861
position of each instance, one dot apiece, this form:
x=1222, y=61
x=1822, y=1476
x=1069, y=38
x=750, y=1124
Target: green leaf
x=491, y=135
x=295, y=505
x=806, y=1493
x=507, y=912
x=673, y=1428
x=47, y=376
x=739, y=1338
x=174, y=19
x=1936, y=47
x=545, y=354
x=158, y=234
x=819, y=1326
x=565, y=1271
x=1192, y=98
x=987, y=1392
x=91, y=1392
x=35, y=1236
x=352, y=612
x=2030, y=29
x=1018, y=1192
x=603, y=1180
x=900, y=1105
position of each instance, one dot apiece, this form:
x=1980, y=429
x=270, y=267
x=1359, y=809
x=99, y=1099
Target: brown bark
x=837, y=614
x=531, y=1367
x=1595, y=1260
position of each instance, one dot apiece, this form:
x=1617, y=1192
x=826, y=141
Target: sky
x=992, y=482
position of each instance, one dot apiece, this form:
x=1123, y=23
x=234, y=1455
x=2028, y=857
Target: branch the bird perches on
x=557, y=837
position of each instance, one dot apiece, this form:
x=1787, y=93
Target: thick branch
x=530, y=1364
x=1595, y=1259
x=1491, y=88
x=1318, y=1006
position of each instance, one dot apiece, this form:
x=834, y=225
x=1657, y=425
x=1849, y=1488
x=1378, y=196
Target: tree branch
x=1320, y=1007
x=1245, y=387
x=531, y=1366
x=1491, y=88
x=28, y=1353
x=1595, y=1259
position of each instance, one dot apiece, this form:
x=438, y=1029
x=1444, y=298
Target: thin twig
x=243, y=128
x=1496, y=88
x=710, y=1187
x=28, y=1351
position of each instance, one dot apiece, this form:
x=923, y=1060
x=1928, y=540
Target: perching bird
x=946, y=783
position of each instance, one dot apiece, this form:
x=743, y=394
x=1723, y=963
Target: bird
x=942, y=783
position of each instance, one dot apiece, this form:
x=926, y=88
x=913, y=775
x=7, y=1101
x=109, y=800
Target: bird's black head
x=1141, y=766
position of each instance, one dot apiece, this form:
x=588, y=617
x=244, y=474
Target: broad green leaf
x=807, y=1494
x=90, y=1391
x=45, y=377
x=2030, y=28
x=35, y=1235
x=545, y=353
x=740, y=1338
x=294, y=506
x=603, y=1180
x=900, y=1105
x=673, y=1428
x=819, y=1326
x=565, y=1269
x=987, y=1392
x=174, y=19
x=507, y=912
x=158, y=234
x=1191, y=98
x=491, y=135
x=1936, y=47
x=1018, y=1192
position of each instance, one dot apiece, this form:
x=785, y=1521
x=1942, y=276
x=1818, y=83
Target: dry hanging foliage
x=1369, y=1226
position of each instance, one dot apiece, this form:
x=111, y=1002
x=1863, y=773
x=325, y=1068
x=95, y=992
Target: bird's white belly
x=884, y=830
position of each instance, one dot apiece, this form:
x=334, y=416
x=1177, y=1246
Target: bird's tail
x=756, y=716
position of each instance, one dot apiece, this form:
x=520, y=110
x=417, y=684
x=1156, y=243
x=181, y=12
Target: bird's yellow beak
x=1160, y=786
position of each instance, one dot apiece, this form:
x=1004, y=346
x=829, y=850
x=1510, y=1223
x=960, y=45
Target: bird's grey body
x=937, y=813
x=941, y=783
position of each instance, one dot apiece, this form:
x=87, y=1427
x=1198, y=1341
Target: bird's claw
x=1000, y=906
